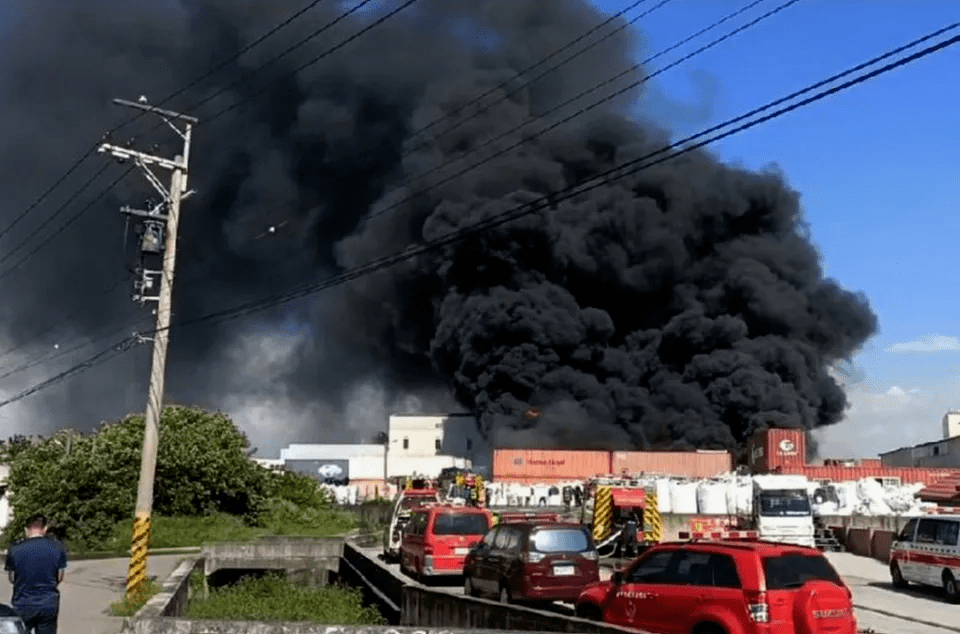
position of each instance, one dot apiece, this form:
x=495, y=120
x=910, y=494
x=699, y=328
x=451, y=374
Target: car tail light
x=428, y=550
x=592, y=555
x=533, y=558
x=757, y=607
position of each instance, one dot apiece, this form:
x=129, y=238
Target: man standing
x=36, y=565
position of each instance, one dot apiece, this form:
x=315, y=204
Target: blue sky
x=877, y=168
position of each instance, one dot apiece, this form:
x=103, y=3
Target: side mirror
x=617, y=577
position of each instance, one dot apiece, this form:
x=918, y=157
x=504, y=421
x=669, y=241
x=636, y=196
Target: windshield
x=460, y=524
x=560, y=540
x=792, y=571
x=784, y=503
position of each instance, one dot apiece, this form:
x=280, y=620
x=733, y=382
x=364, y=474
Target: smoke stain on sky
x=678, y=307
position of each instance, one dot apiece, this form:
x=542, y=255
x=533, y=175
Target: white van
x=926, y=552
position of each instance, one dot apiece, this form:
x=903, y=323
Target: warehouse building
x=936, y=453
x=416, y=445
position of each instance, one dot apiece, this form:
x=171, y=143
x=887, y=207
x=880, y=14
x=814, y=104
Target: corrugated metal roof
x=329, y=452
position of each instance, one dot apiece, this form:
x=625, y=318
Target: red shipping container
x=540, y=465
x=771, y=449
x=697, y=464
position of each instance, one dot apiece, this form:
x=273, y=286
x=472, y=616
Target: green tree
x=87, y=483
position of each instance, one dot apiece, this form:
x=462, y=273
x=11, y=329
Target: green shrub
x=86, y=484
x=130, y=604
x=272, y=598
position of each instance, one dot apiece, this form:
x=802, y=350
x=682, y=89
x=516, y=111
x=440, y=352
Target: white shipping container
x=427, y=466
x=366, y=467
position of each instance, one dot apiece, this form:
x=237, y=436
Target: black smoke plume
x=683, y=306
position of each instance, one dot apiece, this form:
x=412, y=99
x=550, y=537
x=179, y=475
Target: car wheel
x=505, y=595
x=897, y=577
x=951, y=587
x=590, y=612
x=468, y=588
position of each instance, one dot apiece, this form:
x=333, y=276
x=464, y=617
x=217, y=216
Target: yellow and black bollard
x=652, y=520
x=137, y=572
x=602, y=513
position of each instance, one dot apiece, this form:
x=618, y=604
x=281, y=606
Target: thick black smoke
x=683, y=306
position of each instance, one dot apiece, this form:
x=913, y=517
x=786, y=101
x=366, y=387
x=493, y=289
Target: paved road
x=90, y=586
x=889, y=611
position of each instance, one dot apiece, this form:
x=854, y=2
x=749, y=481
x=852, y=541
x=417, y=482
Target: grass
x=272, y=598
x=191, y=532
x=130, y=605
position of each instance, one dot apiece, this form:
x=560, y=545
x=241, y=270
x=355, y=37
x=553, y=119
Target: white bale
x=663, y=495
x=712, y=497
x=683, y=497
x=740, y=496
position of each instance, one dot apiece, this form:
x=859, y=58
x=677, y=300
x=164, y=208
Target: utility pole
x=156, y=223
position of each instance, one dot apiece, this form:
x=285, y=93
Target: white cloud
x=932, y=343
x=882, y=421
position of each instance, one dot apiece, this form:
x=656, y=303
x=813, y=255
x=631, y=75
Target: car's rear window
x=560, y=540
x=460, y=524
x=792, y=571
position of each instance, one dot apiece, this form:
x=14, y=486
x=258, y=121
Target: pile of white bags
x=683, y=498
x=712, y=497
x=740, y=496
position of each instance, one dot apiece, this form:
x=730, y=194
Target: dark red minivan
x=532, y=561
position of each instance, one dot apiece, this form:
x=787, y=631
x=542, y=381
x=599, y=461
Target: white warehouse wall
x=435, y=439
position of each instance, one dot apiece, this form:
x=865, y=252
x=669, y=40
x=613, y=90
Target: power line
x=628, y=168
x=581, y=111
x=134, y=118
x=72, y=219
x=127, y=318
x=507, y=82
x=679, y=148
x=316, y=59
x=93, y=148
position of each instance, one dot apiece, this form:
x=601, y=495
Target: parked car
x=926, y=552
x=724, y=587
x=407, y=501
x=10, y=621
x=437, y=539
x=532, y=561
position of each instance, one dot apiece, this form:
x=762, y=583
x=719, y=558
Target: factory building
x=936, y=453
x=416, y=445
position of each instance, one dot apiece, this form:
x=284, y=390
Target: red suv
x=725, y=587
x=530, y=561
x=436, y=539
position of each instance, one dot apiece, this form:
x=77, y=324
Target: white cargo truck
x=781, y=509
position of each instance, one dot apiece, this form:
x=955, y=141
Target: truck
x=615, y=507
x=408, y=500
x=781, y=510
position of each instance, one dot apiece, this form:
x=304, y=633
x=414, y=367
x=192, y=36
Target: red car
x=437, y=539
x=725, y=587
x=530, y=561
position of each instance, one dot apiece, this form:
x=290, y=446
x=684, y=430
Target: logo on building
x=787, y=447
x=330, y=471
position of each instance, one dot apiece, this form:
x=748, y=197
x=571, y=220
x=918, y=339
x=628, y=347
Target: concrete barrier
x=880, y=544
x=307, y=559
x=172, y=599
x=858, y=541
x=184, y=626
x=430, y=608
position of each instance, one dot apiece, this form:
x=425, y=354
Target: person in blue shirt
x=36, y=566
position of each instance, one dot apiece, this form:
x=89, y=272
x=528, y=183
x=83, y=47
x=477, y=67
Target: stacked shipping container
x=785, y=451
x=548, y=466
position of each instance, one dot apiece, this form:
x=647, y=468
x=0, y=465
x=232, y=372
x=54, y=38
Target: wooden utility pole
x=156, y=223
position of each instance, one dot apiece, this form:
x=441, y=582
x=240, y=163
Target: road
x=880, y=608
x=886, y=610
x=90, y=586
